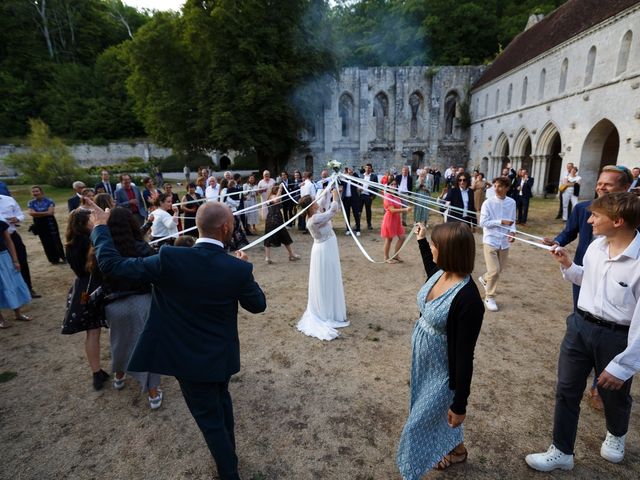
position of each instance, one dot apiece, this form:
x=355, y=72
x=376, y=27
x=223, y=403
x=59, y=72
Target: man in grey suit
x=191, y=332
x=129, y=197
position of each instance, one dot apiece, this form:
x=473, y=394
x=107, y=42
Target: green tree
x=48, y=159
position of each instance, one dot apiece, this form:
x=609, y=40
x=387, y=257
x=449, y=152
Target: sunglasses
x=462, y=180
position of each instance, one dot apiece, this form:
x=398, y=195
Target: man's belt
x=602, y=322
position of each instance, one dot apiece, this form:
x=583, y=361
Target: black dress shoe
x=35, y=295
x=99, y=378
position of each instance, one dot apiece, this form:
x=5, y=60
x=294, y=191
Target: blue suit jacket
x=123, y=201
x=577, y=224
x=192, y=328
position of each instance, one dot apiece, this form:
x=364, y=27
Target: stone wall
x=93, y=155
x=390, y=116
x=578, y=102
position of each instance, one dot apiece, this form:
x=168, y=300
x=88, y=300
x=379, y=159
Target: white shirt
x=365, y=189
x=403, y=184
x=490, y=192
x=493, y=211
x=212, y=193
x=610, y=289
x=230, y=199
x=464, y=193
x=10, y=208
x=308, y=188
x=164, y=224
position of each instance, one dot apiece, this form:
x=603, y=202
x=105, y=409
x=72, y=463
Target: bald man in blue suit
x=192, y=329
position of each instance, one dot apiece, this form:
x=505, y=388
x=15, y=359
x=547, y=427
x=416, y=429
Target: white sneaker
x=549, y=460
x=483, y=282
x=613, y=448
x=357, y=234
x=156, y=403
x=491, y=305
x=347, y=233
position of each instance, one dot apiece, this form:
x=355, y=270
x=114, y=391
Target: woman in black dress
x=42, y=210
x=273, y=221
x=77, y=248
x=190, y=209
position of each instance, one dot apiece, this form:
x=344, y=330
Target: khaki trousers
x=496, y=260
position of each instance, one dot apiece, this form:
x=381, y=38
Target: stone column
x=516, y=162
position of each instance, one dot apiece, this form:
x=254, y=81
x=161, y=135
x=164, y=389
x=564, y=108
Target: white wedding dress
x=326, y=308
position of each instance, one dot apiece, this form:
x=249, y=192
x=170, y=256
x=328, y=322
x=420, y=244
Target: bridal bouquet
x=334, y=165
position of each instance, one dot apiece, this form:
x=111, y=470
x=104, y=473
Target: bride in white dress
x=326, y=308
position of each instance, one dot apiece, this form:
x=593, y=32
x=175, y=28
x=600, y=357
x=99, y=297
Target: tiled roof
x=566, y=21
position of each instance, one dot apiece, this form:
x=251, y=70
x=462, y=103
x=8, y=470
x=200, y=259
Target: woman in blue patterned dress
x=443, y=342
x=42, y=209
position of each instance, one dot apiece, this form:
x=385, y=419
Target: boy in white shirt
x=498, y=222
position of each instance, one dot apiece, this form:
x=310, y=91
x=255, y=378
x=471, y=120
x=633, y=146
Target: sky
x=155, y=4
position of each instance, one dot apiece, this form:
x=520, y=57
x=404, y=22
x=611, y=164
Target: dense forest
x=221, y=73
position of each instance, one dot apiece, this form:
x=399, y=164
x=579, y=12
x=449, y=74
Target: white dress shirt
x=610, y=289
x=403, y=184
x=210, y=240
x=10, y=208
x=493, y=211
x=308, y=188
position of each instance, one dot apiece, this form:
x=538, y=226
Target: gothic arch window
x=509, y=95
x=623, y=55
x=380, y=113
x=345, y=111
x=486, y=105
x=450, y=108
x=497, y=109
x=415, y=103
x=477, y=107
x=564, y=70
x=525, y=86
x=591, y=63
x=543, y=79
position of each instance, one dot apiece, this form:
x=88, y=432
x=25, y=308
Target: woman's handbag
x=563, y=187
x=85, y=307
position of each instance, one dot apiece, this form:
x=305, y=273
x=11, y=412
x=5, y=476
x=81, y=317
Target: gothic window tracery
x=345, y=111
x=381, y=112
x=415, y=102
x=450, y=108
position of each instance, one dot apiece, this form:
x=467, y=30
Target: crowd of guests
x=451, y=306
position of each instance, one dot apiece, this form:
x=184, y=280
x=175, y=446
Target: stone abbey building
x=567, y=89
x=391, y=116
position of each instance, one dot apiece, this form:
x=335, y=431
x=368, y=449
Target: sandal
x=294, y=258
x=5, y=323
x=399, y=260
x=23, y=318
x=391, y=260
x=268, y=261
x=451, y=458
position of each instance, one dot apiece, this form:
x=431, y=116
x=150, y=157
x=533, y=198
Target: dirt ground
x=304, y=409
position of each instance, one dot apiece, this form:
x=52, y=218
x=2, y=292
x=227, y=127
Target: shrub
x=48, y=160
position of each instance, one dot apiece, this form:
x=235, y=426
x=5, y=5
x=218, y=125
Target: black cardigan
x=463, y=327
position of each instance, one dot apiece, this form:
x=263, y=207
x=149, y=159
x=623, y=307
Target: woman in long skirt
x=13, y=291
x=128, y=306
x=443, y=343
x=42, y=210
x=274, y=220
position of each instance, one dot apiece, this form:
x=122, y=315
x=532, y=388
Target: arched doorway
x=555, y=164
x=527, y=161
x=500, y=157
x=417, y=161
x=548, y=152
x=522, y=151
x=308, y=163
x=225, y=162
x=600, y=148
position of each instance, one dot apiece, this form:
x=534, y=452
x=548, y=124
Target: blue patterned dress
x=426, y=437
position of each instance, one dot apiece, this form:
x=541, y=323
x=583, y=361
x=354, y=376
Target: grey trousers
x=587, y=346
